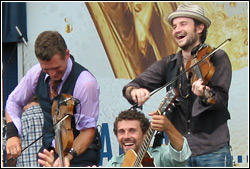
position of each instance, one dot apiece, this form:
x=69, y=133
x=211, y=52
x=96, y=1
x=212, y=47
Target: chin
x=183, y=46
x=181, y=43
x=125, y=150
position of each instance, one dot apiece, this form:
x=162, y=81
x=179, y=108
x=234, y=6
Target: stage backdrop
x=116, y=41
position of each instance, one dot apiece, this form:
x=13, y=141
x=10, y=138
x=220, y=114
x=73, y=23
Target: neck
x=187, y=53
x=186, y=56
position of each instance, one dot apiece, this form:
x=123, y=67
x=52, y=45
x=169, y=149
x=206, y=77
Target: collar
x=177, y=57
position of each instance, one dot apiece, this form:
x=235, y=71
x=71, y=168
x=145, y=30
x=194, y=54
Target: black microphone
x=76, y=101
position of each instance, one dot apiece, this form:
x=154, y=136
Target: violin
x=62, y=112
x=203, y=70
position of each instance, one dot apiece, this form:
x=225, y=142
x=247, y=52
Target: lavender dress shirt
x=86, y=90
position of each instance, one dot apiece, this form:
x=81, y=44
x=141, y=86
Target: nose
x=176, y=29
x=126, y=134
x=52, y=73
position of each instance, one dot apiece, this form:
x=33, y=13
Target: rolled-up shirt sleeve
x=167, y=156
x=87, y=91
x=182, y=155
x=21, y=95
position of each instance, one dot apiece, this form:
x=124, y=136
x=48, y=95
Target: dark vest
x=171, y=73
x=42, y=92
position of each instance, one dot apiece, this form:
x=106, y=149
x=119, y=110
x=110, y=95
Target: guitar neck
x=144, y=147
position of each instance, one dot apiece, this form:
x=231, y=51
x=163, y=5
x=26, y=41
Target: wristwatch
x=73, y=152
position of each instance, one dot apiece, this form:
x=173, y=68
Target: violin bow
x=184, y=72
x=59, y=142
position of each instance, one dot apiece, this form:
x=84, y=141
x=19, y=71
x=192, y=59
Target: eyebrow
x=52, y=68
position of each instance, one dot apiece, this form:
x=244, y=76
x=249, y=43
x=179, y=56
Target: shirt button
x=188, y=132
x=188, y=121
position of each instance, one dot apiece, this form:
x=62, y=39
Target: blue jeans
x=219, y=158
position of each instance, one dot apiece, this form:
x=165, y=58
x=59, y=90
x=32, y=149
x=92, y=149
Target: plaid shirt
x=32, y=123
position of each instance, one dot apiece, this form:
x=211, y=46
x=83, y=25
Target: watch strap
x=73, y=152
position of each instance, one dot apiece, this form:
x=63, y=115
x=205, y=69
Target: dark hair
x=34, y=99
x=48, y=44
x=132, y=115
x=203, y=36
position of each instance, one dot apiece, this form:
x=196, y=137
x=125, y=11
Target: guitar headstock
x=168, y=99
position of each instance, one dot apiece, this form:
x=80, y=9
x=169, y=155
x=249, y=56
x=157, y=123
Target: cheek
x=139, y=137
x=173, y=32
x=61, y=70
x=119, y=138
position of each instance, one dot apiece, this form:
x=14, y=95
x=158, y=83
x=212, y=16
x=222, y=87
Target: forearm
x=13, y=144
x=11, y=129
x=151, y=79
x=175, y=137
x=16, y=120
x=82, y=141
x=8, y=119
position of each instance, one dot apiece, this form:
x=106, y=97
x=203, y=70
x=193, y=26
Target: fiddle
x=202, y=70
x=62, y=110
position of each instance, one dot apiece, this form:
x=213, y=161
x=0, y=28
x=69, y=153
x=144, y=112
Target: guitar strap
x=158, y=139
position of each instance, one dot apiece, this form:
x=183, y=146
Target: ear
x=67, y=54
x=200, y=28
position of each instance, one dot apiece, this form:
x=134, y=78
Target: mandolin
x=143, y=158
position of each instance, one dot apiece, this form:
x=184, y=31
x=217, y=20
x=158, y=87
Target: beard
x=189, y=43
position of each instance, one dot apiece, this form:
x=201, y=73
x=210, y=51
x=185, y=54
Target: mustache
x=128, y=140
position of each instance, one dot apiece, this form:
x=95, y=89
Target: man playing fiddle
x=201, y=121
x=56, y=64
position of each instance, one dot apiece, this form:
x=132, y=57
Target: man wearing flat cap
x=201, y=108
